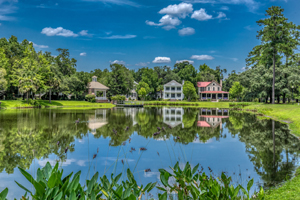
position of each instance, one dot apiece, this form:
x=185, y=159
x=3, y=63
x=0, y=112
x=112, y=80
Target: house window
x=173, y=89
x=179, y=95
x=167, y=88
x=213, y=88
x=93, y=90
x=218, y=88
x=208, y=89
x=173, y=95
x=178, y=88
x=167, y=95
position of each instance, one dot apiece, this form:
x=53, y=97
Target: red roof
x=203, y=84
x=214, y=92
x=203, y=124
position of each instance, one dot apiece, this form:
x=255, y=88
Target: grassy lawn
x=10, y=104
x=284, y=112
x=289, y=190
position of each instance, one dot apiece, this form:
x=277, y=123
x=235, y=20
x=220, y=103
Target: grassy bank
x=287, y=113
x=13, y=104
x=186, y=103
x=289, y=190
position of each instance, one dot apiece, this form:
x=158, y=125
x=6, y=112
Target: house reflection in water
x=173, y=116
x=212, y=117
x=97, y=121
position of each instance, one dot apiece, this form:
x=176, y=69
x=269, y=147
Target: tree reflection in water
x=34, y=134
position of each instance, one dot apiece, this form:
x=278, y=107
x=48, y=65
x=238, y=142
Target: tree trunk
x=283, y=101
x=27, y=97
x=50, y=95
x=278, y=99
x=273, y=85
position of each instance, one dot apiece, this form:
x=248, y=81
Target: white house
x=173, y=91
x=173, y=116
x=212, y=90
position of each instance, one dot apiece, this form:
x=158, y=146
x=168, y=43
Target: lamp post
x=292, y=93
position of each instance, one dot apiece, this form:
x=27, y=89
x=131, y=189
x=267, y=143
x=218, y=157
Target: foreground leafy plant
x=50, y=185
x=190, y=184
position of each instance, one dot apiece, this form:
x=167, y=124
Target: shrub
x=93, y=100
x=118, y=98
x=89, y=97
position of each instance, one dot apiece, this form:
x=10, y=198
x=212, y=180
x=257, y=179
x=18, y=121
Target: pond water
x=226, y=141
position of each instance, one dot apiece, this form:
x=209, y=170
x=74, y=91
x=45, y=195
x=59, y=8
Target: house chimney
x=221, y=82
x=182, y=82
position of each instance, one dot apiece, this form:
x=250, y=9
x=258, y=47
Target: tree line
x=25, y=71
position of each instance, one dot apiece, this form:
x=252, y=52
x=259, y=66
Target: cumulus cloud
x=221, y=15
x=180, y=61
x=42, y=163
x=84, y=33
x=167, y=22
x=82, y=54
x=202, y=57
x=119, y=37
x=201, y=15
x=39, y=46
x=186, y=31
x=179, y=10
x=143, y=64
x=162, y=60
x=59, y=31
x=121, y=62
x=251, y=4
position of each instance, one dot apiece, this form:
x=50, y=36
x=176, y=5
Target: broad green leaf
x=4, y=193
x=52, y=180
x=92, y=182
x=249, y=185
x=195, y=169
x=24, y=188
x=58, y=197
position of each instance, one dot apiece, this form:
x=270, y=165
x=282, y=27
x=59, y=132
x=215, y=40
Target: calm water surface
x=236, y=143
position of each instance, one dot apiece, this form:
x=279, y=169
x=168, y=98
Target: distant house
x=133, y=95
x=211, y=90
x=173, y=91
x=97, y=89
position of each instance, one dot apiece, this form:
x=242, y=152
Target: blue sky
x=142, y=33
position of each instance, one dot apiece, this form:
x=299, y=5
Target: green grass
x=11, y=104
x=290, y=190
x=287, y=113
x=186, y=103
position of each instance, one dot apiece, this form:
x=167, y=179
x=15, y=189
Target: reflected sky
x=226, y=141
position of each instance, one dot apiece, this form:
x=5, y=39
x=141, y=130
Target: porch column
x=206, y=96
x=222, y=96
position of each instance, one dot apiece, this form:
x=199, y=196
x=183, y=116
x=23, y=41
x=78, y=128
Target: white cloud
x=84, y=33
x=201, y=15
x=59, y=31
x=143, y=64
x=221, y=15
x=119, y=37
x=186, y=31
x=167, y=22
x=234, y=59
x=179, y=10
x=162, y=60
x=39, y=46
x=202, y=57
x=82, y=54
x=249, y=28
x=180, y=61
x=42, y=163
x=224, y=8
x=121, y=62
x=251, y=4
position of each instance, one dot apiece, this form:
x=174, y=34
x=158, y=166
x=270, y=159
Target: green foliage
x=49, y=184
x=142, y=93
x=191, y=184
x=237, y=90
x=189, y=90
x=118, y=98
x=3, y=82
x=89, y=97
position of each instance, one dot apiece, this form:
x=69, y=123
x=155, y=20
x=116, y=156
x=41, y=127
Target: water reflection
x=229, y=141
